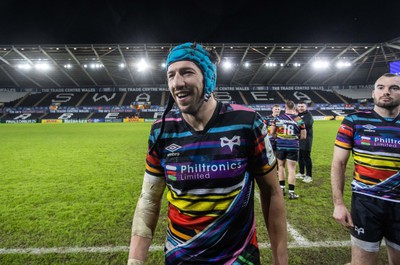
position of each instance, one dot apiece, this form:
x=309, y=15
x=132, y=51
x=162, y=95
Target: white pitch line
x=66, y=250
x=300, y=242
x=293, y=232
x=296, y=235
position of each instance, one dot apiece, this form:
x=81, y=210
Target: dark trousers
x=305, y=162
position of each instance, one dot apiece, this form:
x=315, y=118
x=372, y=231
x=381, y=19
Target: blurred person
x=305, y=162
x=373, y=138
x=209, y=156
x=288, y=128
x=276, y=110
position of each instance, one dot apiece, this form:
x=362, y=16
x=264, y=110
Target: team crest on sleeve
x=230, y=142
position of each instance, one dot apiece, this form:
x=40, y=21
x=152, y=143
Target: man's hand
x=342, y=216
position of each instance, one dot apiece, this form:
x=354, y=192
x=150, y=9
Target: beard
x=387, y=105
x=194, y=108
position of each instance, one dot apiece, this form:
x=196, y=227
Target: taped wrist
x=148, y=207
x=135, y=262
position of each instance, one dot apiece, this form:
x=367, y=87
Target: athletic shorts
x=373, y=219
x=289, y=155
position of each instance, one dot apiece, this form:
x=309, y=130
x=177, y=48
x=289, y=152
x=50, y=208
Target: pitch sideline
x=66, y=250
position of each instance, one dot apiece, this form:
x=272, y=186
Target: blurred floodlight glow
x=343, y=64
x=270, y=64
x=143, y=65
x=95, y=65
x=227, y=65
x=24, y=66
x=320, y=64
x=42, y=66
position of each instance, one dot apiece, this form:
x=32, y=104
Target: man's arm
x=303, y=134
x=274, y=211
x=338, y=175
x=145, y=218
x=308, y=120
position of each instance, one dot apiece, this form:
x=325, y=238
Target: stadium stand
x=66, y=116
x=355, y=95
x=230, y=96
x=155, y=98
x=261, y=97
x=62, y=99
x=8, y=97
x=112, y=106
x=102, y=99
x=29, y=100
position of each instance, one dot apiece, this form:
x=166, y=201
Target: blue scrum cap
x=197, y=54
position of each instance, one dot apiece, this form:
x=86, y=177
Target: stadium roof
x=115, y=65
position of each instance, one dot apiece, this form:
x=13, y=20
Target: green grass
x=76, y=185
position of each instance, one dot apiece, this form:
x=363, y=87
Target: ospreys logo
x=359, y=230
x=230, y=142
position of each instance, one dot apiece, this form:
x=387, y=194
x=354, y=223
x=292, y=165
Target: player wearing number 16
x=288, y=128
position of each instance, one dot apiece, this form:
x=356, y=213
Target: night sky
x=175, y=21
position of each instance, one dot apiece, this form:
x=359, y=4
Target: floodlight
x=24, y=66
x=227, y=65
x=96, y=65
x=319, y=64
x=42, y=66
x=343, y=64
x=142, y=65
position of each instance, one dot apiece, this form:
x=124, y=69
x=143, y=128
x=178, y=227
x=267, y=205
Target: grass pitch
x=76, y=185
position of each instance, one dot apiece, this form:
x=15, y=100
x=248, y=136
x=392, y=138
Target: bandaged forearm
x=148, y=207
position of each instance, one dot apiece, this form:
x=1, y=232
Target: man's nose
x=177, y=81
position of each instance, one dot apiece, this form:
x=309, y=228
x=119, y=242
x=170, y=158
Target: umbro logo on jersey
x=230, y=142
x=369, y=127
x=173, y=147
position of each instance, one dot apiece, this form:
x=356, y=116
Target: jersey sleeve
x=262, y=159
x=153, y=159
x=345, y=134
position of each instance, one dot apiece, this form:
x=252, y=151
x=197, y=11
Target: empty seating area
x=9, y=97
x=62, y=99
x=155, y=98
x=261, y=97
x=120, y=102
x=302, y=95
x=230, y=96
x=102, y=99
x=29, y=101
